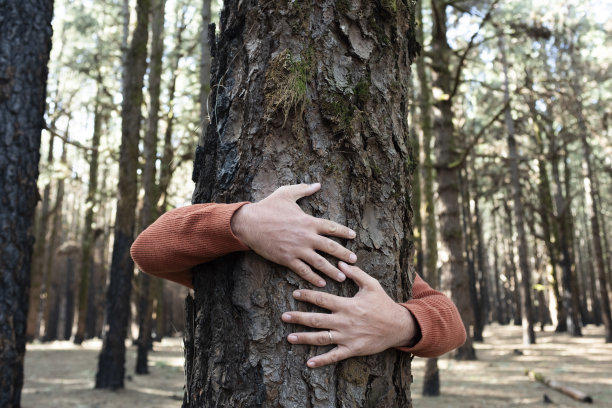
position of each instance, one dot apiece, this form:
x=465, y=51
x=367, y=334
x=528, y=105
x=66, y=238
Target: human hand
x=277, y=229
x=368, y=323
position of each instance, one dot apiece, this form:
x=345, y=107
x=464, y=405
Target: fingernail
x=342, y=264
x=352, y=234
x=341, y=276
x=286, y=317
x=312, y=364
x=292, y=337
x=297, y=294
x=352, y=257
x=321, y=283
x=315, y=185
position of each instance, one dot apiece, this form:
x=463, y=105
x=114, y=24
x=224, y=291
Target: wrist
x=240, y=223
x=406, y=328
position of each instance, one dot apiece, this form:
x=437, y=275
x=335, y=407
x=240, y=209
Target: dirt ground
x=497, y=378
x=60, y=374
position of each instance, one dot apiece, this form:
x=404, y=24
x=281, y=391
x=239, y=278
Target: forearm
x=184, y=238
x=438, y=321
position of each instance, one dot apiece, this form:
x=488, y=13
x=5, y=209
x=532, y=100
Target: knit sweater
x=196, y=234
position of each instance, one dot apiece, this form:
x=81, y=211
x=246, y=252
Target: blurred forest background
x=517, y=93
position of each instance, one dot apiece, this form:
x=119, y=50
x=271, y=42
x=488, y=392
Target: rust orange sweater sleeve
x=438, y=318
x=185, y=237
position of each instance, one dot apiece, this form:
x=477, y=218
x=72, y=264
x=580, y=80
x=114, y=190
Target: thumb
x=296, y=191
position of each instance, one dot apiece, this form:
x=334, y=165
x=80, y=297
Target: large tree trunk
x=454, y=271
x=526, y=306
x=291, y=85
x=25, y=42
x=111, y=365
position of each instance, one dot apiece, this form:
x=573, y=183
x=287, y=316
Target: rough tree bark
x=111, y=364
x=25, y=43
x=291, y=85
x=454, y=268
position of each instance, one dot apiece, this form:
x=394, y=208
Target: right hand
x=277, y=229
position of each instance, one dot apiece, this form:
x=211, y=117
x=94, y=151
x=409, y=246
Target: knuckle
x=320, y=263
x=332, y=226
x=319, y=300
x=315, y=321
x=331, y=247
x=322, y=338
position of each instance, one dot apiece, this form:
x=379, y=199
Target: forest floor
x=61, y=374
x=497, y=378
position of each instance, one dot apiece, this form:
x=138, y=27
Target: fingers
x=327, y=227
x=319, y=338
x=331, y=247
x=362, y=279
x=306, y=273
x=321, y=299
x=315, y=320
x=333, y=356
x=318, y=262
x=296, y=191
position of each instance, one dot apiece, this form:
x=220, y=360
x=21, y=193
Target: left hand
x=368, y=323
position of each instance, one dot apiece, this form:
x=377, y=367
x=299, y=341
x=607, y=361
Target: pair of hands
x=370, y=322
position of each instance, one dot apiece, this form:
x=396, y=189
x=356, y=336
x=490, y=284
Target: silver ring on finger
x=331, y=338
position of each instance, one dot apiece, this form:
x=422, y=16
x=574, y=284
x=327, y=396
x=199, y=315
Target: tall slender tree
x=111, y=364
x=454, y=266
x=526, y=305
x=149, y=205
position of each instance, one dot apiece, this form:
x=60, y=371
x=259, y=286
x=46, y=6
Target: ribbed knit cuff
x=423, y=324
x=222, y=223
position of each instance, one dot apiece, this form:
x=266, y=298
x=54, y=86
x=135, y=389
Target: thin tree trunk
x=90, y=204
x=454, y=270
x=591, y=191
x=511, y=267
x=431, y=379
x=499, y=295
x=280, y=115
x=52, y=307
x=482, y=270
x=39, y=272
x=111, y=365
x=526, y=306
x=149, y=207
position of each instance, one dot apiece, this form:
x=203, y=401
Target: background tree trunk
x=527, y=316
x=291, y=85
x=25, y=43
x=111, y=364
x=454, y=270
x=88, y=234
x=149, y=205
